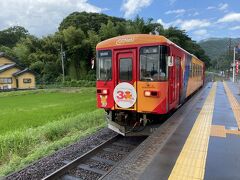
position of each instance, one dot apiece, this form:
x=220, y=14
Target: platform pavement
x=200, y=141
x=235, y=88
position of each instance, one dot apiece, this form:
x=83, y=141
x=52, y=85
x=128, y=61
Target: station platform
x=201, y=140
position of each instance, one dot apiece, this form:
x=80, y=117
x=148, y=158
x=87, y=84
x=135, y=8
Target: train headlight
x=151, y=93
x=147, y=93
x=104, y=91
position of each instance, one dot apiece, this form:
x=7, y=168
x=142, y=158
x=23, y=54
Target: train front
x=132, y=82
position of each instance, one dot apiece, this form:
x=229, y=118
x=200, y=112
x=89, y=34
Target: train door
x=178, y=78
x=174, y=78
x=171, y=80
x=126, y=79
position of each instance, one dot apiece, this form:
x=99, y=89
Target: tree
x=79, y=34
x=22, y=52
x=93, y=39
x=183, y=40
x=77, y=49
x=107, y=30
x=139, y=25
x=11, y=36
x=87, y=21
x=7, y=51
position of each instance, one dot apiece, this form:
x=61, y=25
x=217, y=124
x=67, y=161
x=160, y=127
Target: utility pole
x=234, y=65
x=62, y=59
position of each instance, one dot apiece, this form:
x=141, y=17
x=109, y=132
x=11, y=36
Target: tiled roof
x=22, y=71
x=15, y=63
x=6, y=67
x=2, y=54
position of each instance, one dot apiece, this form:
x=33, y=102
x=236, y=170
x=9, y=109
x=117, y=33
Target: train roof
x=134, y=39
x=131, y=39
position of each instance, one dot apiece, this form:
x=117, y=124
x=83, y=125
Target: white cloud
x=196, y=14
x=131, y=7
x=231, y=17
x=188, y=25
x=200, y=32
x=192, y=12
x=192, y=24
x=210, y=7
x=172, y=2
x=176, y=11
x=222, y=6
x=235, y=28
x=165, y=25
x=40, y=17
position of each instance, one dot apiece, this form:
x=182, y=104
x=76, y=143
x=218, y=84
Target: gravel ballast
x=49, y=164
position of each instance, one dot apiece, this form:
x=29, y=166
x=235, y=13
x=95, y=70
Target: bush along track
x=19, y=148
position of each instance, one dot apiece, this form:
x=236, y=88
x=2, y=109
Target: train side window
x=125, y=73
x=163, y=65
x=196, y=70
x=193, y=69
x=190, y=69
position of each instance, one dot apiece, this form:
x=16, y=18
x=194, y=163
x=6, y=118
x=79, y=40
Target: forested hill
x=78, y=34
x=215, y=47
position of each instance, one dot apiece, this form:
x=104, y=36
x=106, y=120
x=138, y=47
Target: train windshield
x=104, y=65
x=153, y=63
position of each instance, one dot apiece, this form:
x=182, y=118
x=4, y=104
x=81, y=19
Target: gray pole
x=234, y=64
x=62, y=64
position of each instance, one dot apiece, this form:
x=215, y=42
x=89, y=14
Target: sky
x=200, y=19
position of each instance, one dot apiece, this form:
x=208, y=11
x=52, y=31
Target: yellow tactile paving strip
x=234, y=104
x=192, y=159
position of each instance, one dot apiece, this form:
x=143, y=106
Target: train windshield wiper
x=108, y=77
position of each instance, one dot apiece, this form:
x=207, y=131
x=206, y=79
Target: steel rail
x=62, y=171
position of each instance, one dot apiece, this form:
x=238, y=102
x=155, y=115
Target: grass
x=37, y=123
x=20, y=110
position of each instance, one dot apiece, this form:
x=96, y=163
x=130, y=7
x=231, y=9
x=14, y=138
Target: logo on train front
x=124, y=95
x=124, y=41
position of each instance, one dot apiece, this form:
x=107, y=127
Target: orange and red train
x=141, y=77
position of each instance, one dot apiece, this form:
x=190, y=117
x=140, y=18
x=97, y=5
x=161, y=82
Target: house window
x=27, y=80
x=5, y=80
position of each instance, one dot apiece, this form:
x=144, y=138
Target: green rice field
x=34, y=124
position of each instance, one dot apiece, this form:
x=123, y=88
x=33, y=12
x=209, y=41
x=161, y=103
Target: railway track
x=99, y=161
